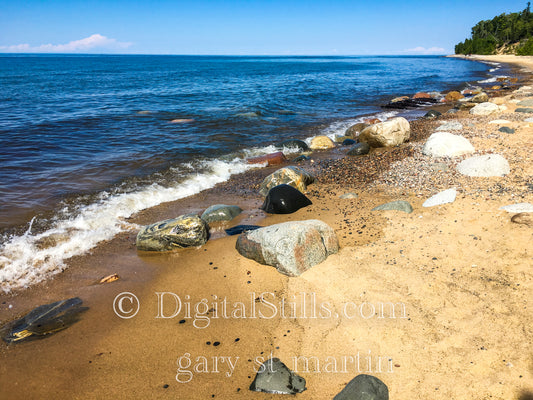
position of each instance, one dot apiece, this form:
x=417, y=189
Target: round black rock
x=284, y=199
x=359, y=149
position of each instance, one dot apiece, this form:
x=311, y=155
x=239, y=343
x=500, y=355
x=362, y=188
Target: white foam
x=493, y=79
x=31, y=258
x=338, y=128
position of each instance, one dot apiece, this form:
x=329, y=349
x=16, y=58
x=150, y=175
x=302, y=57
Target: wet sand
x=462, y=271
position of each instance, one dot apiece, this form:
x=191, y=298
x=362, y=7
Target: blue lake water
x=86, y=141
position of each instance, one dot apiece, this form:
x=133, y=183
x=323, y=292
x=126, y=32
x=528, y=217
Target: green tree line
x=503, y=30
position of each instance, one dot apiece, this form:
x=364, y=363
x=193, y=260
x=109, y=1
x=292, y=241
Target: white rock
x=447, y=196
x=484, y=109
x=446, y=144
x=500, y=122
x=450, y=126
x=528, y=120
x=518, y=208
x=484, y=166
x=386, y=134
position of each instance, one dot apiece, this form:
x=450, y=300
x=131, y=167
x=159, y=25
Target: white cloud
x=91, y=43
x=423, y=50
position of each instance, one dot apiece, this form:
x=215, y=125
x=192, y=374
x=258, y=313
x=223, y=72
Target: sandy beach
x=435, y=303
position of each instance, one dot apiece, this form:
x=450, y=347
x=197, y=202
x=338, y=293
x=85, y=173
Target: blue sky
x=282, y=27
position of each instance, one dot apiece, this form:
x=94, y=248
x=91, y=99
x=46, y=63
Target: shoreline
x=114, y=346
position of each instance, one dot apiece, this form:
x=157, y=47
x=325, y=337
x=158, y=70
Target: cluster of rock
x=276, y=378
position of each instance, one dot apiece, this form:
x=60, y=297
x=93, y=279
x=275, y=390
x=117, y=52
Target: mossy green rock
x=220, y=212
x=185, y=231
x=398, y=205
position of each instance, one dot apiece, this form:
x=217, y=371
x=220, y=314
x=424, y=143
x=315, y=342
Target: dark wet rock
x=293, y=176
x=411, y=103
x=432, y=114
x=399, y=205
x=354, y=130
x=274, y=377
x=220, y=212
x=506, y=129
x=525, y=110
x=359, y=149
x=348, y=142
x=238, y=229
x=301, y=158
x=185, y=231
x=364, y=387
x=284, y=199
x=292, y=247
x=44, y=320
x=292, y=143
x=271, y=159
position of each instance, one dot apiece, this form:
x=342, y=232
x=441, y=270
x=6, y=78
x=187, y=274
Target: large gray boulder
x=446, y=144
x=386, y=134
x=292, y=247
x=293, y=176
x=484, y=166
x=185, y=231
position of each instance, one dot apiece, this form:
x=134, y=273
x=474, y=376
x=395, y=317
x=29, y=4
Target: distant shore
x=462, y=270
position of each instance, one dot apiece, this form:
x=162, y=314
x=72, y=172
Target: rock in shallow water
x=292, y=247
x=364, y=387
x=274, y=377
x=321, y=143
x=220, y=212
x=185, y=231
x=44, y=320
x=295, y=143
x=484, y=166
x=284, y=199
x=398, y=205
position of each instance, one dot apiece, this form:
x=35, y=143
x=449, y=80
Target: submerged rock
x=484, y=166
x=220, y=212
x=284, y=199
x=348, y=142
x=364, y=387
x=293, y=176
x=291, y=247
x=446, y=144
x=44, y=320
x=185, y=231
x=274, y=377
x=295, y=143
x=398, y=205
x=386, y=134
x=238, y=229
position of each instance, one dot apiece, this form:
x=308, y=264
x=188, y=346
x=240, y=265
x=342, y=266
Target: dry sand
x=463, y=271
